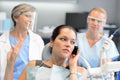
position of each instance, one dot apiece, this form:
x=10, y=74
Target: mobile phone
x=75, y=50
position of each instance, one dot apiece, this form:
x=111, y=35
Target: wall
x=108, y=5
x=50, y=14
x=118, y=12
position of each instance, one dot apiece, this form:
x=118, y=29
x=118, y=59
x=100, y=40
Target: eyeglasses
x=32, y=15
x=99, y=20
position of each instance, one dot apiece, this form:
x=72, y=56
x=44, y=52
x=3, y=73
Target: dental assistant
x=23, y=16
x=91, y=42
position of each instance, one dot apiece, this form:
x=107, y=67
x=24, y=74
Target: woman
x=31, y=49
x=62, y=43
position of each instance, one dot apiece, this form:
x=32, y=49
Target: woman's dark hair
x=57, y=30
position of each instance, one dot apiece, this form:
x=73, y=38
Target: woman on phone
x=62, y=43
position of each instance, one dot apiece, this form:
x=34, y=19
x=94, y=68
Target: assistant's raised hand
x=13, y=52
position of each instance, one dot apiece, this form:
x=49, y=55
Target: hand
x=106, y=60
x=13, y=52
x=106, y=44
x=11, y=57
x=73, y=61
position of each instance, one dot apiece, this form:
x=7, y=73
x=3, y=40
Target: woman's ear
x=51, y=43
x=15, y=18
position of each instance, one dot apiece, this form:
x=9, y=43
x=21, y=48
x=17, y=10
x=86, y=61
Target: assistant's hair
x=99, y=9
x=57, y=30
x=21, y=8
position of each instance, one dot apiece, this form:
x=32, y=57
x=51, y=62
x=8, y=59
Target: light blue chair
x=46, y=52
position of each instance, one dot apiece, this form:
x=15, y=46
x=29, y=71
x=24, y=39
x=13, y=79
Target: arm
x=11, y=57
x=23, y=74
x=74, y=69
x=73, y=66
x=9, y=71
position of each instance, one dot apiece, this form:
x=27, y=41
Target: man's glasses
x=99, y=20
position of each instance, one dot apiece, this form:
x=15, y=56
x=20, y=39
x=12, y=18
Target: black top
x=40, y=63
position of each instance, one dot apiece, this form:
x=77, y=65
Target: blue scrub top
x=92, y=54
x=23, y=56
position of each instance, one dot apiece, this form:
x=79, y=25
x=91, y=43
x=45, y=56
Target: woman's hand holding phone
x=75, y=50
x=74, y=57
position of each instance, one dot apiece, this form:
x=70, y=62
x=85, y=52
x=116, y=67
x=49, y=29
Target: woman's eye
x=72, y=42
x=28, y=15
x=63, y=39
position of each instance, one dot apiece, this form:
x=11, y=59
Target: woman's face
x=63, y=45
x=25, y=20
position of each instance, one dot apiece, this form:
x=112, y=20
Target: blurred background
x=51, y=13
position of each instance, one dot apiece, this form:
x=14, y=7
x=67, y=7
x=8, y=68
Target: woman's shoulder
x=4, y=36
x=36, y=63
x=31, y=63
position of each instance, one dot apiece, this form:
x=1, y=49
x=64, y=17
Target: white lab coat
x=35, y=49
